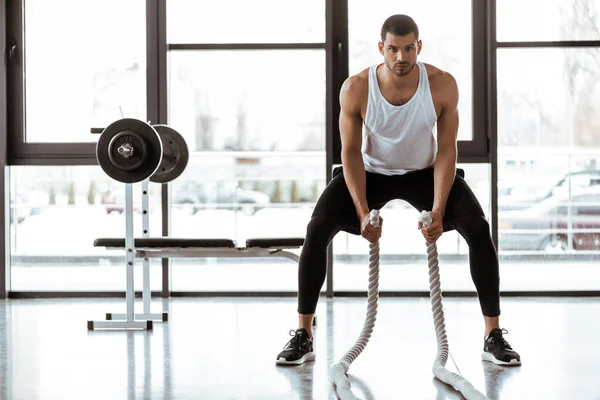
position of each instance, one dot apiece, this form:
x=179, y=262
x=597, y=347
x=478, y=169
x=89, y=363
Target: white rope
x=439, y=365
x=338, y=371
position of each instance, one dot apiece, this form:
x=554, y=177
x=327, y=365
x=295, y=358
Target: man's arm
x=351, y=136
x=445, y=164
x=447, y=132
x=352, y=161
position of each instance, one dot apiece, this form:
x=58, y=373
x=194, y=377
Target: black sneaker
x=297, y=350
x=498, y=351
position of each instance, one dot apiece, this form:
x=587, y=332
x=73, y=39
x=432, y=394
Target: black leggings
x=335, y=212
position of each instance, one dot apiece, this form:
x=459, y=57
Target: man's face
x=400, y=52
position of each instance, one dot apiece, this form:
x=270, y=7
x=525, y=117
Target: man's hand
x=433, y=232
x=368, y=231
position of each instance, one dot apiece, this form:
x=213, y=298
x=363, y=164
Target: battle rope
x=338, y=372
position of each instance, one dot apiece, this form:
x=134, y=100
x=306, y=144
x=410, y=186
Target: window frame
x=157, y=50
x=5, y=211
x=476, y=150
x=481, y=149
x=19, y=151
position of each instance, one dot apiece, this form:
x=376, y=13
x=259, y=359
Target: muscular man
x=399, y=126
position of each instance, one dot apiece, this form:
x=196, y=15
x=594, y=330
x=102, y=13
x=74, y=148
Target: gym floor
x=226, y=348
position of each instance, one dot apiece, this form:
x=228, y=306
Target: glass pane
x=231, y=100
x=241, y=21
x=548, y=171
x=549, y=219
x=560, y=214
x=547, y=20
x=402, y=248
x=80, y=74
x=534, y=116
x=237, y=196
x=446, y=44
x=257, y=159
x=57, y=213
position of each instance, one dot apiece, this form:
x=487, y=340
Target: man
x=390, y=150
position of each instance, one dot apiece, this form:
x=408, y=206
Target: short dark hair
x=399, y=25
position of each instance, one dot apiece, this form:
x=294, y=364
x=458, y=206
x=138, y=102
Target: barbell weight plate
x=127, y=141
x=175, y=155
x=135, y=135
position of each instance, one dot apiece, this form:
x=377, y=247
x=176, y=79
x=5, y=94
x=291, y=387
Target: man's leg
x=483, y=259
x=483, y=262
x=312, y=267
x=464, y=213
x=333, y=212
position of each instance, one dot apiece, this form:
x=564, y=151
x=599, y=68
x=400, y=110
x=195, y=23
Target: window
x=547, y=20
x=84, y=66
x=446, y=43
x=548, y=146
x=254, y=121
x=533, y=114
x=255, y=100
x=260, y=21
x=57, y=213
x=547, y=143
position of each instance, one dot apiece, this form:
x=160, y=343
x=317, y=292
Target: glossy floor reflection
x=225, y=349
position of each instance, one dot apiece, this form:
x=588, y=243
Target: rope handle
x=374, y=218
x=425, y=218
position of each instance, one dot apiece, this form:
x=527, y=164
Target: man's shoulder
x=356, y=85
x=438, y=78
x=358, y=81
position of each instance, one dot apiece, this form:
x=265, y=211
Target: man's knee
x=473, y=227
x=320, y=230
x=480, y=225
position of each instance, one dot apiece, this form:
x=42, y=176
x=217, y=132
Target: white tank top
x=399, y=139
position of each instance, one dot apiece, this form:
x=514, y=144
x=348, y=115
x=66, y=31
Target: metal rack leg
x=146, y=292
x=129, y=322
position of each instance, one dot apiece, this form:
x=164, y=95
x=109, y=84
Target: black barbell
x=130, y=150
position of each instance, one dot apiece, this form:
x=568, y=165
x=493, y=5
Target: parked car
x=193, y=196
x=20, y=208
x=546, y=225
x=114, y=202
x=519, y=198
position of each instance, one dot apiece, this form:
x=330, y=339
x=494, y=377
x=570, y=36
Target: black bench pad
x=164, y=242
x=275, y=242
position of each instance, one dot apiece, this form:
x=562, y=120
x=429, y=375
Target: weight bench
x=146, y=247
x=132, y=151
x=165, y=247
